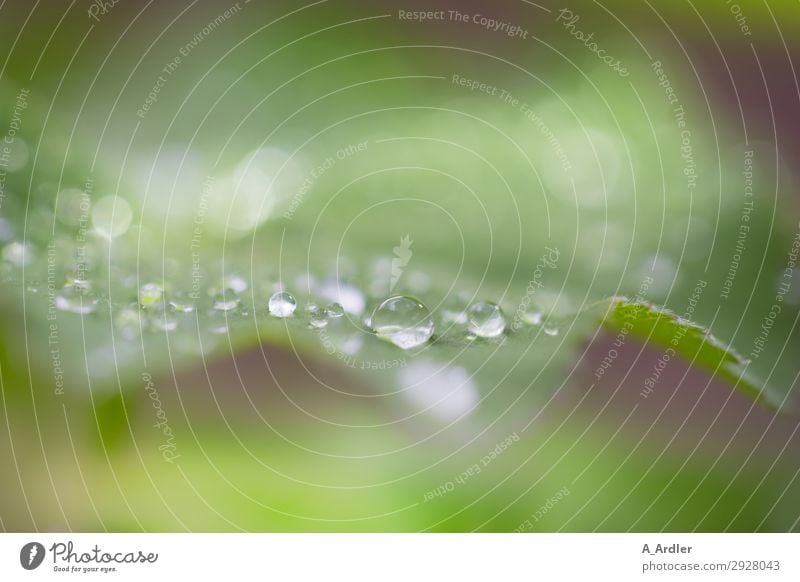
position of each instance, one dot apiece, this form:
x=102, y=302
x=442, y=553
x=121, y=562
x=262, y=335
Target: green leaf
x=662, y=328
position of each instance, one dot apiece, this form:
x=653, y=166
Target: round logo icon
x=31, y=555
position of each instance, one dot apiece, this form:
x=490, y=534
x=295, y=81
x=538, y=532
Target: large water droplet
x=486, y=320
x=281, y=304
x=404, y=321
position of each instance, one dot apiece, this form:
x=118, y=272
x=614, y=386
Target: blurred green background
x=200, y=148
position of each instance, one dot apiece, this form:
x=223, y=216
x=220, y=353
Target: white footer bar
x=389, y=557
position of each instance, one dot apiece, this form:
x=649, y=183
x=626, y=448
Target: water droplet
x=151, y=296
x=550, y=330
x=486, y=320
x=19, y=253
x=225, y=300
x=317, y=317
x=404, y=321
x=111, y=216
x=281, y=304
x=334, y=310
x=75, y=300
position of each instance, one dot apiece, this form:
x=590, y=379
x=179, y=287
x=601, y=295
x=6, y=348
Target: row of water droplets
x=400, y=319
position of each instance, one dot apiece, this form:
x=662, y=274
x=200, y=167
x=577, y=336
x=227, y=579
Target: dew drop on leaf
x=281, y=304
x=404, y=321
x=486, y=320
